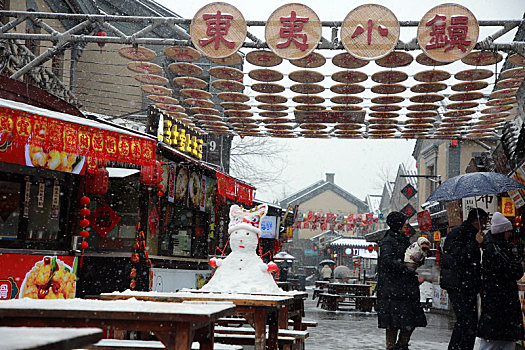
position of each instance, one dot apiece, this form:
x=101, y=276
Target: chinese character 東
x=217, y=27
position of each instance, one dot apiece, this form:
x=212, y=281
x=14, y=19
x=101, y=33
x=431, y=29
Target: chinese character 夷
x=291, y=31
x=217, y=26
x=370, y=26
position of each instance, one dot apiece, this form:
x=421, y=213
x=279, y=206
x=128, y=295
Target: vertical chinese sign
x=370, y=32
x=218, y=30
x=293, y=31
x=448, y=32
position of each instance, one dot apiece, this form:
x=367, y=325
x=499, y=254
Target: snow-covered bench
x=123, y=344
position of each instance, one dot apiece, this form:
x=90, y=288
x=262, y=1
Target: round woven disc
x=349, y=76
x=227, y=85
x=347, y=126
x=267, y=88
x=163, y=99
x=273, y=114
x=242, y=120
x=462, y=105
x=383, y=126
x=263, y=58
x=421, y=120
x=426, y=98
x=194, y=93
x=345, y=60
x=388, y=88
x=306, y=76
x=346, y=108
x=156, y=90
x=382, y=121
x=347, y=89
x=389, y=77
x=454, y=124
x=237, y=113
x=184, y=68
x=276, y=120
x=423, y=59
x=504, y=93
x=428, y=87
x=491, y=121
x=383, y=115
x=395, y=59
x=308, y=99
x=245, y=126
x=202, y=110
x=517, y=59
x=313, y=60
x=271, y=98
x=432, y=76
x=385, y=108
x=310, y=107
x=235, y=105
x=151, y=79
x=459, y=113
x=190, y=82
x=482, y=58
x=423, y=107
x=177, y=115
x=137, y=53
x=497, y=109
x=195, y=102
x=473, y=74
x=513, y=73
x=426, y=114
x=509, y=83
x=387, y=99
x=461, y=118
x=346, y=100
x=233, y=97
x=232, y=60
x=226, y=73
x=272, y=107
x=144, y=67
x=279, y=126
x=207, y=117
x=307, y=88
x=494, y=116
x=465, y=96
x=170, y=107
x=502, y=101
x=182, y=53
x=470, y=86
x=313, y=126
x=419, y=126
x=265, y=75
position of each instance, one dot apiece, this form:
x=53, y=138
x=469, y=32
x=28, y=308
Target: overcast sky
x=359, y=165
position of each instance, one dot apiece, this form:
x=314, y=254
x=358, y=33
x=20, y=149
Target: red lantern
x=85, y=245
x=133, y=273
x=135, y=258
x=315, y=248
x=132, y=284
x=83, y=234
x=151, y=174
x=85, y=212
x=97, y=183
x=85, y=200
x=101, y=33
x=84, y=223
x=370, y=248
x=160, y=194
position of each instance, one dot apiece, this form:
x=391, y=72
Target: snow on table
x=18, y=338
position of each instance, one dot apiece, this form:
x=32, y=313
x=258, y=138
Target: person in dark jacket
x=501, y=322
x=398, y=302
x=460, y=276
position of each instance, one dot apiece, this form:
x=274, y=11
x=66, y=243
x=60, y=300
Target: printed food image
x=195, y=189
x=211, y=188
x=54, y=160
x=49, y=279
x=181, y=185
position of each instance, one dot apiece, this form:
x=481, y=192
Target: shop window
x=44, y=218
x=9, y=209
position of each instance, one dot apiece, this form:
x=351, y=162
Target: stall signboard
x=439, y=298
x=453, y=213
x=424, y=221
x=507, y=207
x=269, y=227
x=489, y=203
x=104, y=219
x=63, y=145
x=22, y=276
x=310, y=252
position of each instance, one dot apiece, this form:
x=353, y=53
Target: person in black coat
x=460, y=276
x=501, y=323
x=398, y=302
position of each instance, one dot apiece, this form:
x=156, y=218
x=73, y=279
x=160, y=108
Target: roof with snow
x=351, y=242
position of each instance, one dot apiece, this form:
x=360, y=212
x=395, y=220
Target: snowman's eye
x=255, y=219
x=247, y=233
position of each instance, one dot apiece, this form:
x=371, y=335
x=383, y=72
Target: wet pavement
x=358, y=330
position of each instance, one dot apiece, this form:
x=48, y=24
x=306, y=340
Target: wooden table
x=42, y=338
x=254, y=307
x=347, y=288
x=174, y=324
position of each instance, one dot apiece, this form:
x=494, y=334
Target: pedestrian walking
x=461, y=276
x=398, y=301
x=326, y=273
x=501, y=322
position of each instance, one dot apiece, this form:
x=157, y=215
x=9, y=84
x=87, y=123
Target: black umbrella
x=327, y=261
x=473, y=185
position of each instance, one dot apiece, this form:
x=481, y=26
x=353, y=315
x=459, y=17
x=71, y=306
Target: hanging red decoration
x=102, y=34
x=135, y=258
x=370, y=248
x=98, y=182
x=85, y=212
x=85, y=200
x=133, y=273
x=83, y=224
x=85, y=245
x=160, y=194
x=83, y=234
x=151, y=174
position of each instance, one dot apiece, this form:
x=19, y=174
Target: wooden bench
x=287, y=337
x=124, y=344
x=240, y=321
x=332, y=302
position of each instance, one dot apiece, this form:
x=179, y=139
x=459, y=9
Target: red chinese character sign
x=218, y=30
x=370, y=32
x=448, y=32
x=103, y=219
x=293, y=31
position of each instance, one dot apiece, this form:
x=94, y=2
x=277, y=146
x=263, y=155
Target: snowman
x=243, y=271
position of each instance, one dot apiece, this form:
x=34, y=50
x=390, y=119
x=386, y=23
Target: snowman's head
x=245, y=227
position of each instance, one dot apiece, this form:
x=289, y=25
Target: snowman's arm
x=215, y=262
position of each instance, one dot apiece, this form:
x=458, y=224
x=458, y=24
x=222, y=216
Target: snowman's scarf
x=261, y=255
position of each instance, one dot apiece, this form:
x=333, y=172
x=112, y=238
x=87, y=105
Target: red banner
x=233, y=189
x=59, y=145
x=424, y=220
x=23, y=276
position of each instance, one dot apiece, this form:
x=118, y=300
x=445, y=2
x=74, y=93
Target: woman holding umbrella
x=398, y=301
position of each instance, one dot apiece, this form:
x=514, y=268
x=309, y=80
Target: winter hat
x=395, y=220
x=248, y=219
x=500, y=223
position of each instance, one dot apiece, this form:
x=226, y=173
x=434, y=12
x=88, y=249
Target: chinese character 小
x=370, y=25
